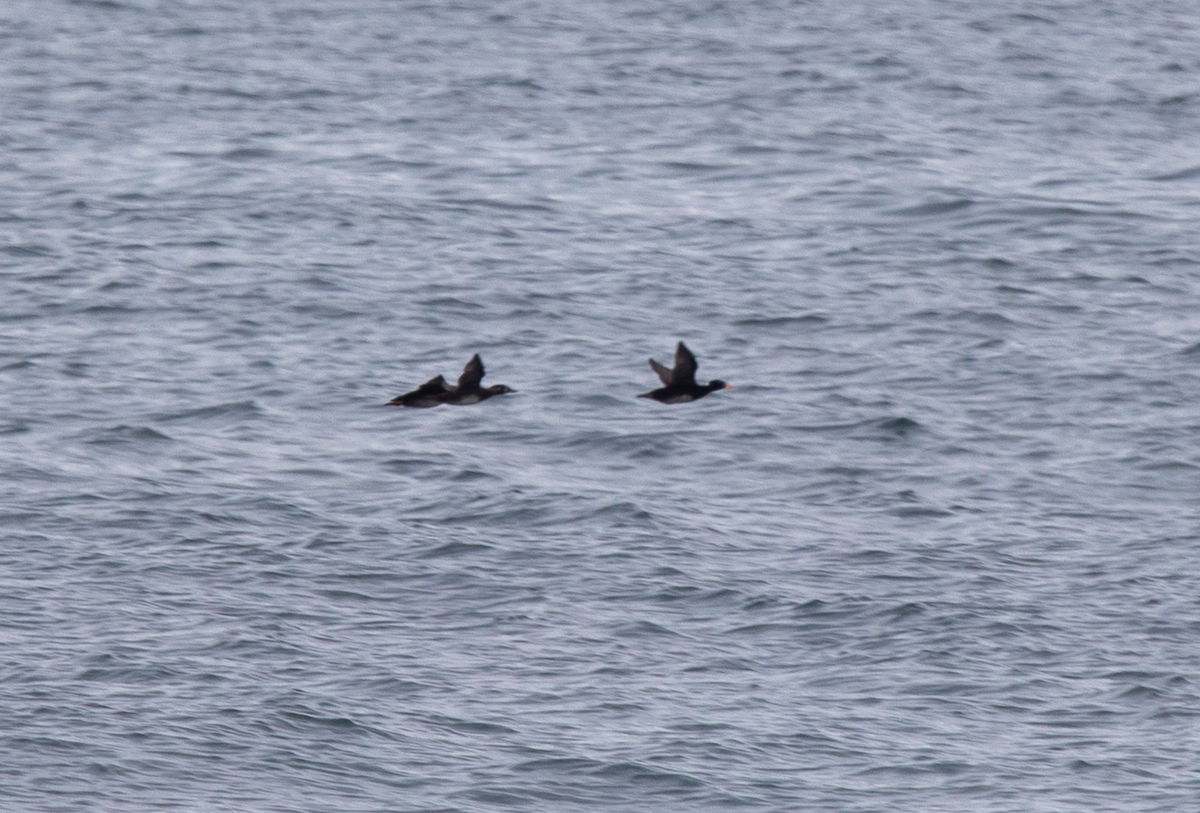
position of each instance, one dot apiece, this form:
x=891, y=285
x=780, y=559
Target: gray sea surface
x=938, y=551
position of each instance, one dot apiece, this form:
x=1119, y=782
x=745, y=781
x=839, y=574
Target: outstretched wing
x=472, y=374
x=685, y=366
x=432, y=386
x=664, y=373
x=428, y=394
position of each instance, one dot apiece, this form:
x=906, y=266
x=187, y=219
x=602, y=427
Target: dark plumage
x=435, y=391
x=429, y=394
x=680, y=383
x=468, y=391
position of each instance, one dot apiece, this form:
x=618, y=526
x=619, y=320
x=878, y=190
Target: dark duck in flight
x=435, y=391
x=680, y=383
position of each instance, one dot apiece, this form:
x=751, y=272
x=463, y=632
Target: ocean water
x=937, y=550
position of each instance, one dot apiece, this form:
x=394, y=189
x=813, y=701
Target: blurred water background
x=937, y=551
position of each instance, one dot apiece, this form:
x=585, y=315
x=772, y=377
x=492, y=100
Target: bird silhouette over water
x=680, y=382
x=435, y=391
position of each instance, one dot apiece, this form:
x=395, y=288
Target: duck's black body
x=680, y=382
x=435, y=391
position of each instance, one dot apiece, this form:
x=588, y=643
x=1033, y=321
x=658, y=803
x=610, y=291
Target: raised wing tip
x=685, y=365
x=472, y=373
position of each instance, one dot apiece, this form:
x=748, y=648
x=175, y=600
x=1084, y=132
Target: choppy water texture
x=936, y=552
